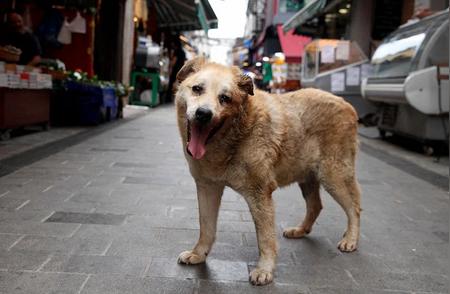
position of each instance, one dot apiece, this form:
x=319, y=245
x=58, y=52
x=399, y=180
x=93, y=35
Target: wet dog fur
x=255, y=142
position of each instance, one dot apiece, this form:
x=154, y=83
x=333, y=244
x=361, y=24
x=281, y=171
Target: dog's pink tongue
x=198, y=141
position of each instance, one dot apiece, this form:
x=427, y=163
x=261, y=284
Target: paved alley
x=111, y=213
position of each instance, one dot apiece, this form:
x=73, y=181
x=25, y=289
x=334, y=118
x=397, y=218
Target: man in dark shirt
x=18, y=36
x=177, y=59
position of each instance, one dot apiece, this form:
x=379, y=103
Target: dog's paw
x=189, y=257
x=260, y=277
x=295, y=232
x=348, y=244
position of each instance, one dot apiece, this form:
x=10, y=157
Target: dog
x=254, y=142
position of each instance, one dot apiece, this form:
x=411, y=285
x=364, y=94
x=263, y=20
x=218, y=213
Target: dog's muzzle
x=203, y=116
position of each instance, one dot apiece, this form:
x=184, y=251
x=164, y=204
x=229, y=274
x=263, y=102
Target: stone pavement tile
x=9, y=202
x=42, y=229
x=118, y=233
x=106, y=181
x=149, y=201
x=142, y=243
x=236, y=253
x=37, y=196
x=420, y=262
x=213, y=269
x=167, y=243
x=86, y=218
x=120, y=284
x=190, y=237
x=223, y=287
x=6, y=240
x=133, y=165
x=25, y=185
x=90, y=264
x=95, y=191
x=40, y=283
x=21, y=259
x=404, y=281
x=58, y=245
x=155, y=179
x=323, y=275
x=132, y=207
x=321, y=290
x=14, y=216
x=67, y=206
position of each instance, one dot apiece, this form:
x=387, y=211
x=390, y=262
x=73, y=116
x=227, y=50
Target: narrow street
x=111, y=213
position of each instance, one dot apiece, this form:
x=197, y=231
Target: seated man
x=18, y=36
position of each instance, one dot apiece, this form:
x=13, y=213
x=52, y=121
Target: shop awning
x=307, y=12
x=292, y=45
x=185, y=15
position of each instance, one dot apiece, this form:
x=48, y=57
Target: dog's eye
x=197, y=89
x=224, y=99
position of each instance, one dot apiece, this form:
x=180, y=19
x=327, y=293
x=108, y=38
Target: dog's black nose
x=203, y=115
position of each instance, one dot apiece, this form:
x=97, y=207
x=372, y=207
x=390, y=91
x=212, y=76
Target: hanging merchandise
x=65, y=35
x=49, y=28
x=78, y=25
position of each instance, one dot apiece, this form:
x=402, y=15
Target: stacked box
x=24, y=78
x=3, y=80
x=33, y=80
x=13, y=80
x=44, y=81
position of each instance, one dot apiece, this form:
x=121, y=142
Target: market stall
x=24, y=97
x=410, y=82
x=338, y=66
x=47, y=67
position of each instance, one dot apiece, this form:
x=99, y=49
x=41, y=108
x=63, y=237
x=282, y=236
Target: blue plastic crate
x=110, y=103
x=94, y=104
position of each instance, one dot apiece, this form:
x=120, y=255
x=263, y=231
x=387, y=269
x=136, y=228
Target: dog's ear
x=246, y=83
x=190, y=67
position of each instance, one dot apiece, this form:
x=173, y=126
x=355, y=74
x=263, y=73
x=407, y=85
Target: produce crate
x=84, y=104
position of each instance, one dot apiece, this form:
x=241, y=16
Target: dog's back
x=309, y=126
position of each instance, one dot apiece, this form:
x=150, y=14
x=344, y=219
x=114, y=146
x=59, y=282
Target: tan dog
x=255, y=142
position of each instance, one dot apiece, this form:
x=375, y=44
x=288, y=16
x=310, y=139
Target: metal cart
x=337, y=66
x=410, y=83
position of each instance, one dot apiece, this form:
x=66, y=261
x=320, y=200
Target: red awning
x=292, y=45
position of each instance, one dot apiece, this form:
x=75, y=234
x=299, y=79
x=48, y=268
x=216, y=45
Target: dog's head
x=211, y=95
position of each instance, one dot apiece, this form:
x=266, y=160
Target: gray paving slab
x=213, y=269
x=60, y=245
x=225, y=287
x=86, y=218
x=7, y=240
x=21, y=260
x=126, y=206
x=90, y=264
x=40, y=283
x=120, y=284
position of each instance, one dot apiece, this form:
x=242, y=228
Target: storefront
x=89, y=51
x=56, y=83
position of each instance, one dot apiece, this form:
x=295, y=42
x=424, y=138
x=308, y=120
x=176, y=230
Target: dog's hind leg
x=310, y=190
x=209, y=196
x=341, y=184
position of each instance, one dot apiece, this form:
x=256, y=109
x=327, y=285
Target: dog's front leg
x=263, y=213
x=209, y=196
